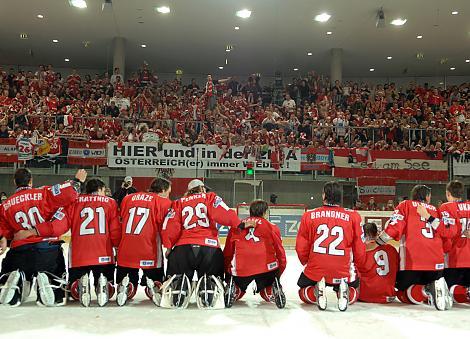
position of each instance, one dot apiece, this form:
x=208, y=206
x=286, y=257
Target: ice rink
x=249, y=318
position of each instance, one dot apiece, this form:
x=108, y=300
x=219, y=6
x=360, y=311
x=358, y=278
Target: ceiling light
x=419, y=37
x=389, y=58
x=296, y=69
x=309, y=53
x=78, y=3
x=323, y=17
x=329, y=33
x=455, y=12
x=371, y=69
x=55, y=41
x=452, y=68
x=398, y=22
x=221, y=67
x=237, y=28
x=244, y=13
x=441, y=83
x=143, y=45
x=163, y=9
x=226, y=61
x=467, y=60
x=66, y=59
x=40, y=16
x=23, y=36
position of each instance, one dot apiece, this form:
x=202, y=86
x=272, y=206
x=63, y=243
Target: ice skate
x=343, y=296
x=320, y=294
x=84, y=294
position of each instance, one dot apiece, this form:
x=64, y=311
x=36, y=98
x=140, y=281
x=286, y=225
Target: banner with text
x=316, y=159
x=381, y=189
x=402, y=165
x=143, y=155
x=88, y=153
x=461, y=164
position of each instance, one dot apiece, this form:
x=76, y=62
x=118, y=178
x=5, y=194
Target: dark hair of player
x=22, y=177
x=160, y=185
x=194, y=190
x=420, y=192
x=455, y=188
x=258, y=208
x=332, y=192
x=370, y=230
x=94, y=185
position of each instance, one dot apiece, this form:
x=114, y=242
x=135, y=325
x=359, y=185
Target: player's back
x=421, y=247
x=254, y=250
x=378, y=278
x=196, y=217
x=142, y=215
x=95, y=230
x=28, y=207
x=456, y=215
x=327, y=238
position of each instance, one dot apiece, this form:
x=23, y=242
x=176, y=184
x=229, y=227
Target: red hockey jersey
x=95, y=230
x=142, y=216
x=455, y=216
x=330, y=244
x=193, y=220
x=378, y=277
x=420, y=245
x=254, y=250
x=29, y=207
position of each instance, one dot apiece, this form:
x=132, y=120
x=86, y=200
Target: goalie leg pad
x=210, y=293
x=176, y=292
x=13, y=289
x=51, y=289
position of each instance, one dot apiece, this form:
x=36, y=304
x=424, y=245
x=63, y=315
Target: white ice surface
x=249, y=318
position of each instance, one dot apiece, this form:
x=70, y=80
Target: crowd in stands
x=312, y=111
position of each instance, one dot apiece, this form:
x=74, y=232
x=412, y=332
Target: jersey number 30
x=324, y=233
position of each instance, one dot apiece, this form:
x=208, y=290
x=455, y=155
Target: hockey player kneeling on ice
x=190, y=232
x=34, y=255
x=455, y=222
x=420, y=277
x=329, y=243
x=380, y=271
x=142, y=216
x=94, y=225
x=255, y=254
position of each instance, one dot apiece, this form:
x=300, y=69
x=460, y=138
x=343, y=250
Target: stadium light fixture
x=329, y=33
x=244, y=13
x=467, y=60
x=237, y=28
x=163, y=9
x=371, y=69
x=78, y=3
x=296, y=69
x=452, y=68
x=66, y=59
x=55, y=41
x=323, y=17
x=40, y=16
x=389, y=58
x=399, y=22
x=419, y=37
x=143, y=45
x=221, y=67
x=455, y=12
x=309, y=53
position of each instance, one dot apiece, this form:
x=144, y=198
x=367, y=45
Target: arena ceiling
x=278, y=35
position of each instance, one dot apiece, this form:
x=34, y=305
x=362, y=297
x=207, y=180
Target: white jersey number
x=140, y=211
x=381, y=258
x=29, y=220
x=427, y=230
x=201, y=213
x=324, y=233
x=89, y=214
x=465, y=226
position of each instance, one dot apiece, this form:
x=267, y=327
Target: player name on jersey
x=429, y=207
x=22, y=198
x=142, y=197
x=93, y=198
x=464, y=207
x=329, y=214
